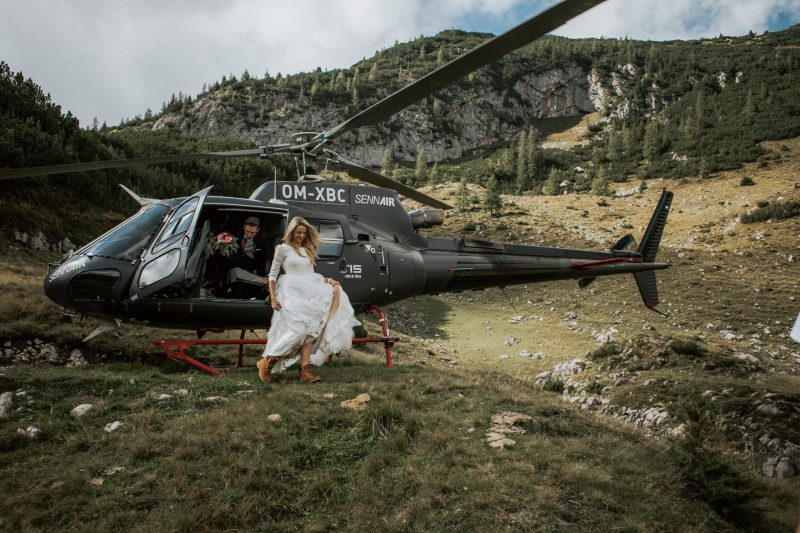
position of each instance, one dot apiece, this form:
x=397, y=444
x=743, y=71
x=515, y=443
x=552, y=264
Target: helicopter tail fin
x=646, y=281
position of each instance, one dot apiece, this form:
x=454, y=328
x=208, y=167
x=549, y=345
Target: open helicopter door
x=164, y=262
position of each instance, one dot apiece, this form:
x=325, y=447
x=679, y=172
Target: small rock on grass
x=275, y=417
x=30, y=432
x=5, y=403
x=113, y=426
x=81, y=410
x=358, y=403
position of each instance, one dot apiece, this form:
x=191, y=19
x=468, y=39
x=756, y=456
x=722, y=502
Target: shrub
x=554, y=385
x=714, y=481
x=687, y=347
x=775, y=212
x=595, y=387
x=608, y=349
x=747, y=181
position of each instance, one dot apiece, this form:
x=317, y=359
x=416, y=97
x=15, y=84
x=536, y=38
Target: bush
x=608, y=349
x=773, y=212
x=554, y=385
x=714, y=481
x=747, y=181
x=687, y=347
x=595, y=387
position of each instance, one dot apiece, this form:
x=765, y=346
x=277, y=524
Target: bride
x=312, y=315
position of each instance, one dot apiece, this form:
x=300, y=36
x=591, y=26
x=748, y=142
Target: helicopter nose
x=71, y=284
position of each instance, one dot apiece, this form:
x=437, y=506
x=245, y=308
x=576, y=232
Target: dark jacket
x=262, y=253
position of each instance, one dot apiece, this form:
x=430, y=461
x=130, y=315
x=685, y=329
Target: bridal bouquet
x=223, y=244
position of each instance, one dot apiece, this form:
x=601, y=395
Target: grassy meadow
x=206, y=457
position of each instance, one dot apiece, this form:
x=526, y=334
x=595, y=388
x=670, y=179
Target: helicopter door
x=164, y=263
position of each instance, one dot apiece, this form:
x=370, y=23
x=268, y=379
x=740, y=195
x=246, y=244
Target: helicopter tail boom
x=482, y=264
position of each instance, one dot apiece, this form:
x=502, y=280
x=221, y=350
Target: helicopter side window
x=127, y=240
x=178, y=224
x=332, y=239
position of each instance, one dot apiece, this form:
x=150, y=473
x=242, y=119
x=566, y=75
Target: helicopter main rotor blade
x=478, y=57
x=373, y=178
x=121, y=163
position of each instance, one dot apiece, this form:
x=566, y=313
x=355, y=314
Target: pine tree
x=600, y=183
x=523, y=183
x=462, y=196
x=551, y=184
x=386, y=162
x=421, y=170
x=535, y=159
x=434, y=176
x=491, y=199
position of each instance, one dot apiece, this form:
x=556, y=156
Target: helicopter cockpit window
x=127, y=240
x=332, y=239
x=178, y=224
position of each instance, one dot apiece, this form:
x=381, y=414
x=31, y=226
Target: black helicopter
x=151, y=269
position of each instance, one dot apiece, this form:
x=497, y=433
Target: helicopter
x=152, y=268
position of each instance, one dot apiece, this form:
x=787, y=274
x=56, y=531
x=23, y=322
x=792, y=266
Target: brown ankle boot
x=307, y=376
x=265, y=366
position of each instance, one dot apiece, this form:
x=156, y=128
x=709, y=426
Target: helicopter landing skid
x=175, y=349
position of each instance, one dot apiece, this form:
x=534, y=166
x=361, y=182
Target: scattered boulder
x=215, y=399
x=76, y=359
x=30, y=432
x=678, y=432
x=358, y=403
x=590, y=403
x=531, y=355
x=274, y=418
x=81, y=410
x=510, y=341
x=5, y=403
x=570, y=367
x=504, y=424
x=181, y=392
x=113, y=426
x=784, y=465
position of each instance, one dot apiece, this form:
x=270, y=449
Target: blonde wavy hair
x=310, y=243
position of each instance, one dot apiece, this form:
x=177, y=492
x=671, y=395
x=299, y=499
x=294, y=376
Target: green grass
x=414, y=459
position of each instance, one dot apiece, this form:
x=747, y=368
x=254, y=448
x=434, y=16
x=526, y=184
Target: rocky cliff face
x=465, y=120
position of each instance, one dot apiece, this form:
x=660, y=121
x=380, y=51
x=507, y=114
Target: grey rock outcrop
x=481, y=114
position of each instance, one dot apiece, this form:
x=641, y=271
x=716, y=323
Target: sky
x=114, y=59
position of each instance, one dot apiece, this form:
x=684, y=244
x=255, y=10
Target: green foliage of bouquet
x=223, y=244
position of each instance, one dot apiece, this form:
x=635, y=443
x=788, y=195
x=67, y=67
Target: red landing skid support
x=175, y=349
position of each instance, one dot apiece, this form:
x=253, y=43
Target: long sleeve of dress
x=277, y=262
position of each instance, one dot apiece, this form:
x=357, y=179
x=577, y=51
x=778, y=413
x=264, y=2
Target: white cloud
x=116, y=59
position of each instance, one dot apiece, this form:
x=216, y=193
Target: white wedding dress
x=305, y=305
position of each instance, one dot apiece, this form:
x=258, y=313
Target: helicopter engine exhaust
x=426, y=218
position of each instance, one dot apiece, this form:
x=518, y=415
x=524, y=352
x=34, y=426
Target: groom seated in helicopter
x=241, y=274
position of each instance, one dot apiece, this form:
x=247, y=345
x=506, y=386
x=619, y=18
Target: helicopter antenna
x=502, y=289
